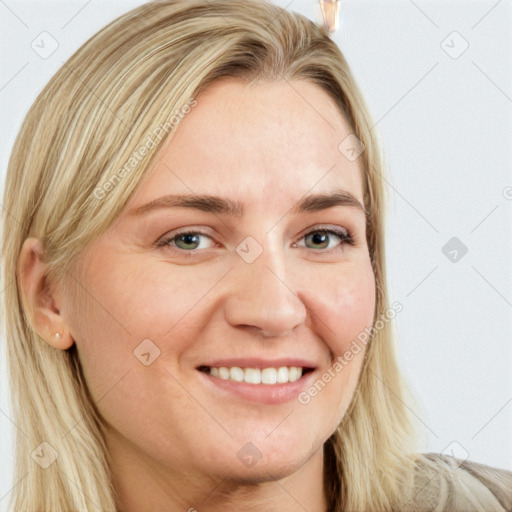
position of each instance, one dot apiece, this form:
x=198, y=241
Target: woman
x=199, y=318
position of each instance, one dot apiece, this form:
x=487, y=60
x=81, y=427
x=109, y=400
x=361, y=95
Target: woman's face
x=181, y=287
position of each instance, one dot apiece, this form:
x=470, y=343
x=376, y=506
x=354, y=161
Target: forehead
x=271, y=141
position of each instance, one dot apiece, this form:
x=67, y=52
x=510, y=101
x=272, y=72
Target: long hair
x=130, y=81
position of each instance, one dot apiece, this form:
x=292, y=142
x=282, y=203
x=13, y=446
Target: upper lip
x=253, y=362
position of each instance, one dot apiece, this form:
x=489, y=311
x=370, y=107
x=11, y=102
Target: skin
x=172, y=437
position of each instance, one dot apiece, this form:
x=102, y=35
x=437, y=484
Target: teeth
x=293, y=374
x=223, y=373
x=280, y=375
x=269, y=376
x=236, y=374
x=252, y=375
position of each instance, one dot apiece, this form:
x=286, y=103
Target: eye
x=321, y=239
x=186, y=240
x=324, y=239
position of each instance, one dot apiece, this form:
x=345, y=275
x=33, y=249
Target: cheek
x=346, y=305
x=125, y=304
x=156, y=299
x=343, y=311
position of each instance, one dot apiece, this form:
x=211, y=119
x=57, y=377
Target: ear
x=39, y=302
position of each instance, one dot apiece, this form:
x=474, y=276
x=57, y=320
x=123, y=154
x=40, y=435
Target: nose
x=262, y=296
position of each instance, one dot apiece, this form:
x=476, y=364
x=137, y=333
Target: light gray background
x=446, y=122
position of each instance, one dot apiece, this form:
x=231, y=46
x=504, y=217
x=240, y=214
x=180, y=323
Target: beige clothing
x=447, y=484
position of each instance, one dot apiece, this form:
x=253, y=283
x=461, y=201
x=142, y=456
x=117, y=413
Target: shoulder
x=444, y=483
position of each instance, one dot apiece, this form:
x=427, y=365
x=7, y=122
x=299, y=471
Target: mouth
x=267, y=376
x=257, y=380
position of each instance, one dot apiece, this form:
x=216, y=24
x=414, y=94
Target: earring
x=58, y=335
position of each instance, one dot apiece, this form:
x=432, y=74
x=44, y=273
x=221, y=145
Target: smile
x=267, y=376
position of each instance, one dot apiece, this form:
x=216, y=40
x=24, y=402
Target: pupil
x=319, y=238
x=189, y=239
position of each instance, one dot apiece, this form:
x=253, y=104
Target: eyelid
x=325, y=227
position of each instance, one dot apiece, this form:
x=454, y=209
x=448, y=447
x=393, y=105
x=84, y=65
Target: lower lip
x=262, y=393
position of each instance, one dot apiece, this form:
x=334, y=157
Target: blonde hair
x=125, y=83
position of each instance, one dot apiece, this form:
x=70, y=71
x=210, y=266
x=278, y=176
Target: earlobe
x=38, y=301
x=62, y=341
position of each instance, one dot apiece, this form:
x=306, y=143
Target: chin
x=266, y=461
x=266, y=471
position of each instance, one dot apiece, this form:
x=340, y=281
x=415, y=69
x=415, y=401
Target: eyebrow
x=226, y=206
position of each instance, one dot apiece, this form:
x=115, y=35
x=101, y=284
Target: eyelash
x=344, y=235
